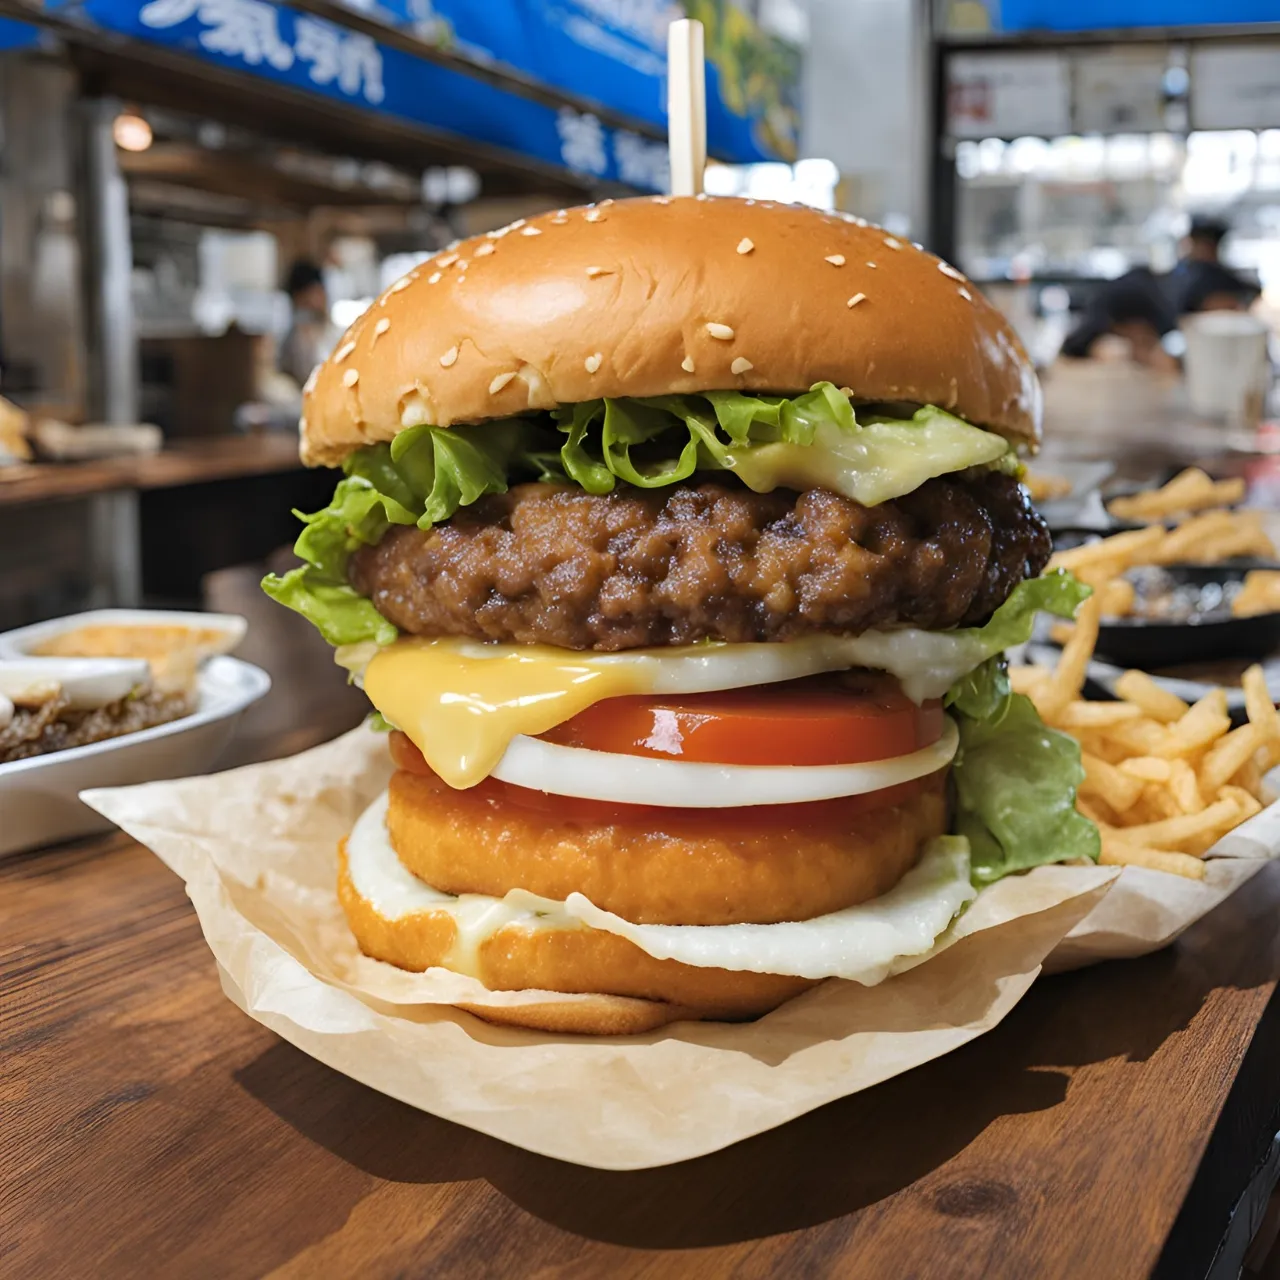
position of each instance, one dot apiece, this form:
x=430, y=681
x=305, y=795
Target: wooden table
x=147, y=1128
x=179, y=463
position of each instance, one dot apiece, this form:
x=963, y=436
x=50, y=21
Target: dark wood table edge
x=1237, y=1172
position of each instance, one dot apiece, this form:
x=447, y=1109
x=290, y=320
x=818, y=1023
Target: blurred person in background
x=1200, y=282
x=1142, y=308
x=1135, y=308
x=310, y=337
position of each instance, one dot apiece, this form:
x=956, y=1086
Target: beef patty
x=554, y=565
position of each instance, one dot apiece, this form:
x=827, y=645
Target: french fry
x=1214, y=820
x=1068, y=677
x=1257, y=701
x=1106, y=781
x=1204, y=723
x=1098, y=744
x=1138, y=737
x=1097, y=811
x=1148, y=768
x=1158, y=803
x=1140, y=689
x=1260, y=593
x=1191, y=490
x=1120, y=548
x=1184, y=787
x=1118, y=596
x=1181, y=493
x=1249, y=776
x=1178, y=864
x=1096, y=715
x=1185, y=541
x=1025, y=679
x=1229, y=755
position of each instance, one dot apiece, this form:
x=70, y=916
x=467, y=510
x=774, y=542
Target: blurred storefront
x=1075, y=143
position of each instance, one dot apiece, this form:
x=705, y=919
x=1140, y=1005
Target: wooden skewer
x=686, y=106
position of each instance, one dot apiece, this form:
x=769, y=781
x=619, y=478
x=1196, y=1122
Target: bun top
x=668, y=295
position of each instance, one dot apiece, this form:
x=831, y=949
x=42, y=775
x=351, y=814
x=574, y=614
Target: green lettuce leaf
x=1016, y=782
x=1015, y=778
x=803, y=442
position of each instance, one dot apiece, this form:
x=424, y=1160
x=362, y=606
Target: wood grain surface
x=184, y=462
x=148, y=1128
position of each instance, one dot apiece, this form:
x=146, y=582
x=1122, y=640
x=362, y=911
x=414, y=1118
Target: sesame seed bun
x=668, y=295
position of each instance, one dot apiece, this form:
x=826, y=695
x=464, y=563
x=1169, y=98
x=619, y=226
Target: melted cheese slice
x=865, y=944
x=461, y=703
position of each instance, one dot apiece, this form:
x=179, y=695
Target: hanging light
x=131, y=132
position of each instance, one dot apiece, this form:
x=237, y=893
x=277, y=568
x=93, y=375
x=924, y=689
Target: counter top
x=182, y=462
x=1106, y=1128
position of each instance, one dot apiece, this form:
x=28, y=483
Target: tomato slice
x=846, y=718
x=558, y=811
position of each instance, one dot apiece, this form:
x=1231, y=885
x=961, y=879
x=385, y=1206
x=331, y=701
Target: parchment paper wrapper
x=257, y=850
x=1147, y=910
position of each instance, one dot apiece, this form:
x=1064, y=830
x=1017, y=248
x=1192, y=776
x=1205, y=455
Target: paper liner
x=1147, y=910
x=257, y=850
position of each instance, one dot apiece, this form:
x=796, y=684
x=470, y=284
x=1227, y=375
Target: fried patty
x=555, y=565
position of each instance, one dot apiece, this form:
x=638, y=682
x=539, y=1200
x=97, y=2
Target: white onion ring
x=680, y=784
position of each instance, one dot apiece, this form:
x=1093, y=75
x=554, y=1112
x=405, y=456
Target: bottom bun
x=521, y=956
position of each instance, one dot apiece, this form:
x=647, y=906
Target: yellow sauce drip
x=461, y=710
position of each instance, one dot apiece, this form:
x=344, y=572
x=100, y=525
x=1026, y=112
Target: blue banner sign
x=302, y=51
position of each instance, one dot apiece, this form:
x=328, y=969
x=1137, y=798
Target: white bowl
x=25, y=639
x=40, y=797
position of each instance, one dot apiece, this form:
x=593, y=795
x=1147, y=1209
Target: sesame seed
x=721, y=331
x=745, y=245
x=702, y=195
x=892, y=243
x=857, y=298
x=559, y=220
x=592, y=363
x=453, y=244
x=965, y=294
x=351, y=377
x=381, y=327
x=462, y=266
x=461, y=279
x=871, y=264
x=484, y=250
x=592, y=272
x=594, y=215
x=948, y=270
x=661, y=199
x=836, y=259
x=343, y=352
x=741, y=365
x=447, y=261
x=310, y=385
x=604, y=204
x=516, y=225
x=530, y=231
x=497, y=233
x=450, y=357
x=403, y=283
x=499, y=382
x=687, y=364
x=434, y=278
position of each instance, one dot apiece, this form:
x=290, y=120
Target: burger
x=677, y=546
